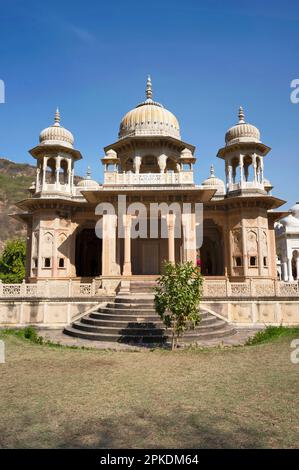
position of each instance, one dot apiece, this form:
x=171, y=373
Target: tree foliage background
x=12, y=261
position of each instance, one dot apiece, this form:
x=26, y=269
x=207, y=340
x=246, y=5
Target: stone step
x=119, y=305
x=135, y=300
x=139, y=327
x=120, y=325
x=148, y=329
x=95, y=319
x=142, y=339
x=135, y=313
x=123, y=316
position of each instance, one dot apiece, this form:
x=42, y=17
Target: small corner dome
x=215, y=183
x=242, y=131
x=56, y=134
x=290, y=222
x=87, y=182
x=295, y=210
x=149, y=118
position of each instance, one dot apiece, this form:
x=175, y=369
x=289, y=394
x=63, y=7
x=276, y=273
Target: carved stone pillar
x=254, y=167
x=170, y=219
x=127, y=269
x=109, y=245
x=189, y=237
x=45, y=160
x=137, y=163
x=290, y=271
x=284, y=270
x=162, y=162
x=241, y=171
x=244, y=248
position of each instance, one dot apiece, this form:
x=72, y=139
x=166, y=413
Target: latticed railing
x=51, y=289
x=250, y=288
x=212, y=288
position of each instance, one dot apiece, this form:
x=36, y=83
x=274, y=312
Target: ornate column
x=57, y=182
x=241, y=170
x=254, y=167
x=45, y=160
x=69, y=174
x=170, y=220
x=284, y=270
x=189, y=237
x=260, y=247
x=127, y=269
x=162, y=162
x=37, y=182
x=244, y=247
x=137, y=163
x=109, y=245
x=290, y=273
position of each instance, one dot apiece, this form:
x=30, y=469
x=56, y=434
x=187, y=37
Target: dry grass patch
x=241, y=397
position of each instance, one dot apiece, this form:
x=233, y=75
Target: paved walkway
x=57, y=336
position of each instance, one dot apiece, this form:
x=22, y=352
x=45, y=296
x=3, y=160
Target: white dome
x=212, y=182
x=87, y=182
x=56, y=134
x=149, y=118
x=295, y=210
x=242, y=132
x=290, y=221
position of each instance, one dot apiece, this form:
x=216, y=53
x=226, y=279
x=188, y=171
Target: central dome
x=149, y=118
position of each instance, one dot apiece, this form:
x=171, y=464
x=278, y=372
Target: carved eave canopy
x=41, y=150
x=239, y=147
x=196, y=194
x=133, y=142
x=248, y=200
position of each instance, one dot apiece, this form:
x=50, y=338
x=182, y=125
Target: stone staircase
x=131, y=318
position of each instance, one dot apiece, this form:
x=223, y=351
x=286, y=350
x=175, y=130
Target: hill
x=15, y=179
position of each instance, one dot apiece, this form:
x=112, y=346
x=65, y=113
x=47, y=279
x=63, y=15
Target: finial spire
x=57, y=118
x=149, y=92
x=88, y=173
x=241, y=115
x=212, y=170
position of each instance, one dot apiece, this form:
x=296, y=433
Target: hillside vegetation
x=15, y=179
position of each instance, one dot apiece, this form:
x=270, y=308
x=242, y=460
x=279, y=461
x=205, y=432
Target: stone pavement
x=57, y=336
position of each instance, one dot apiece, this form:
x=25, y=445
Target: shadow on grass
x=178, y=430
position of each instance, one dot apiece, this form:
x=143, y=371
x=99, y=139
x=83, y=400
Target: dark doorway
x=211, y=252
x=88, y=254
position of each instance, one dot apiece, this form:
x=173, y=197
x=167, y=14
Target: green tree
x=12, y=262
x=177, y=298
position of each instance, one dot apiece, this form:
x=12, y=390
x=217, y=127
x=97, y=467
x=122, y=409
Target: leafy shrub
x=12, y=262
x=271, y=333
x=177, y=297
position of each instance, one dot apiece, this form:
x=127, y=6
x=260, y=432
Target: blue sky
x=206, y=58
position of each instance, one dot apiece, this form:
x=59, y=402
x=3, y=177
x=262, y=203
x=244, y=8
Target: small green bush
x=271, y=333
x=12, y=262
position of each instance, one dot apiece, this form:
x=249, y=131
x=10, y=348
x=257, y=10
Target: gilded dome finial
x=149, y=92
x=57, y=118
x=241, y=115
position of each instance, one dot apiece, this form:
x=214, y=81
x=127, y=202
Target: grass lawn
x=56, y=397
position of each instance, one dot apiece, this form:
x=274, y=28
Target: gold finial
x=241, y=115
x=57, y=118
x=149, y=92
